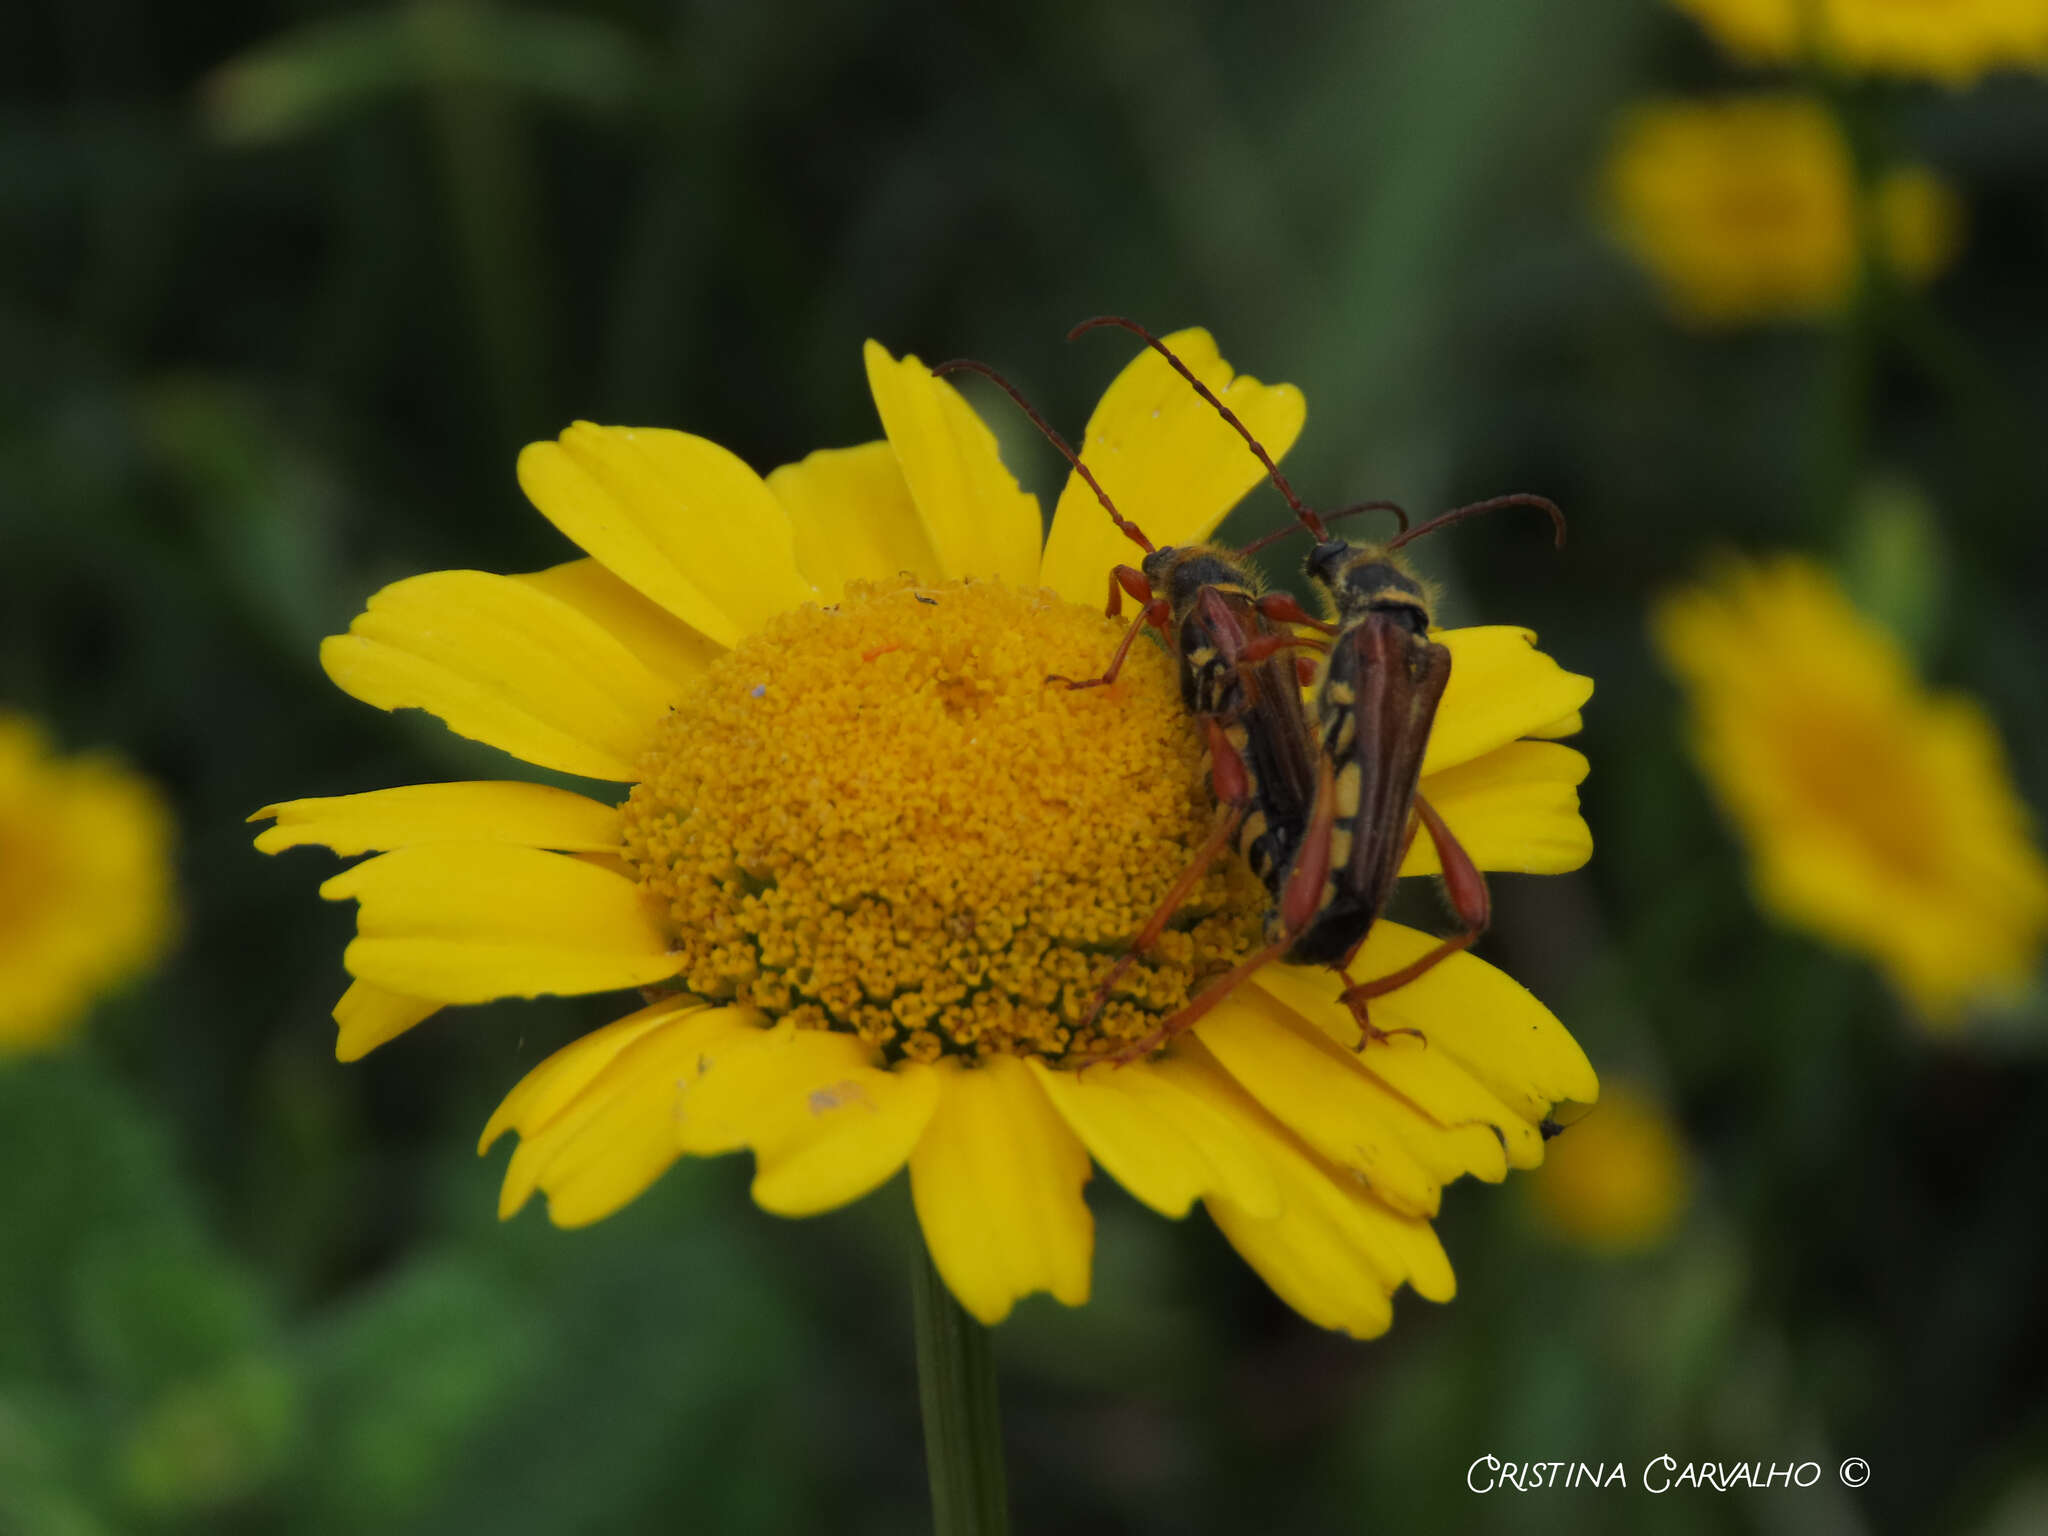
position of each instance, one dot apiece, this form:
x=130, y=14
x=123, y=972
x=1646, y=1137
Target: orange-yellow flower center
x=880, y=817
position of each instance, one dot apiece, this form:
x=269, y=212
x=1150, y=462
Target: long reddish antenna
x=1129, y=529
x=1494, y=504
x=1355, y=508
x=1308, y=517
x=1330, y=517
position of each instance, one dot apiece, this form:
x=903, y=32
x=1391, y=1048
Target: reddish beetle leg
x=1299, y=901
x=1152, y=610
x=1282, y=608
x=1233, y=788
x=1471, y=904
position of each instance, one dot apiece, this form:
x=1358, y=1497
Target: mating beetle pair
x=1323, y=810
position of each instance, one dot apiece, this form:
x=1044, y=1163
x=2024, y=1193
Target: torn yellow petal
x=369, y=1016
x=826, y=1122
x=535, y=815
x=1430, y=1080
x=615, y=1134
x=681, y=519
x=1169, y=462
x=853, y=518
x=996, y=1180
x=668, y=646
x=503, y=663
x=1516, y=809
x=1501, y=689
x=469, y=922
x=1484, y=1019
x=979, y=523
x=1318, y=1092
x=1162, y=1138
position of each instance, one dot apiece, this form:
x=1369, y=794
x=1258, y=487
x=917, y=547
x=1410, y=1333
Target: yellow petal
x=1483, y=1019
x=1335, y=1254
x=996, y=1180
x=853, y=518
x=1319, y=1092
x=615, y=1134
x=1502, y=688
x=535, y=815
x=1163, y=1139
x=826, y=1122
x=1516, y=808
x=675, y=516
x=1570, y=725
x=369, y=1016
x=549, y=1087
x=979, y=523
x=1431, y=1080
x=664, y=642
x=1170, y=463
x=504, y=663
x=469, y=922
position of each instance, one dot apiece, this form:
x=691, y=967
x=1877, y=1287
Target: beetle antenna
x=1493, y=504
x=1129, y=529
x=1309, y=519
x=1330, y=517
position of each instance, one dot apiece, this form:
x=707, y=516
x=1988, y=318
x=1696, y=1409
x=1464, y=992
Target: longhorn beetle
x=1227, y=635
x=1376, y=699
x=1206, y=604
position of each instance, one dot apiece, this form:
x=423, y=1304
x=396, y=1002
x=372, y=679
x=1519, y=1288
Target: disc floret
x=877, y=818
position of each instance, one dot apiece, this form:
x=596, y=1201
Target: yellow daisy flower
x=1745, y=209
x=1953, y=41
x=1616, y=1181
x=85, y=883
x=1878, y=815
x=870, y=864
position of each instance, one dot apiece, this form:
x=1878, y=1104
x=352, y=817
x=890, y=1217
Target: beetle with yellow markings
x=1377, y=691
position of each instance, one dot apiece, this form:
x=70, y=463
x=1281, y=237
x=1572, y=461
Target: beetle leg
x=1232, y=783
x=1194, y=1012
x=1122, y=579
x=1470, y=902
x=1282, y=608
x=1300, y=899
x=1354, y=997
x=1155, y=613
x=1259, y=647
x=1218, y=840
x=1308, y=875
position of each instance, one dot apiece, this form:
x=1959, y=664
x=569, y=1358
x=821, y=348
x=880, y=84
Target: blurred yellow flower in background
x=871, y=865
x=85, y=883
x=1877, y=814
x=1745, y=209
x=1954, y=41
x=1618, y=1179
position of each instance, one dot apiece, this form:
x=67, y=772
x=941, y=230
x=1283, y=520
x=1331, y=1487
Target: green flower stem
x=963, y=1431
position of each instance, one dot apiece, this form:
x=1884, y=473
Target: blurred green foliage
x=283, y=288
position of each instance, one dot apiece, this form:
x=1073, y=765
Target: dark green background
x=283, y=288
